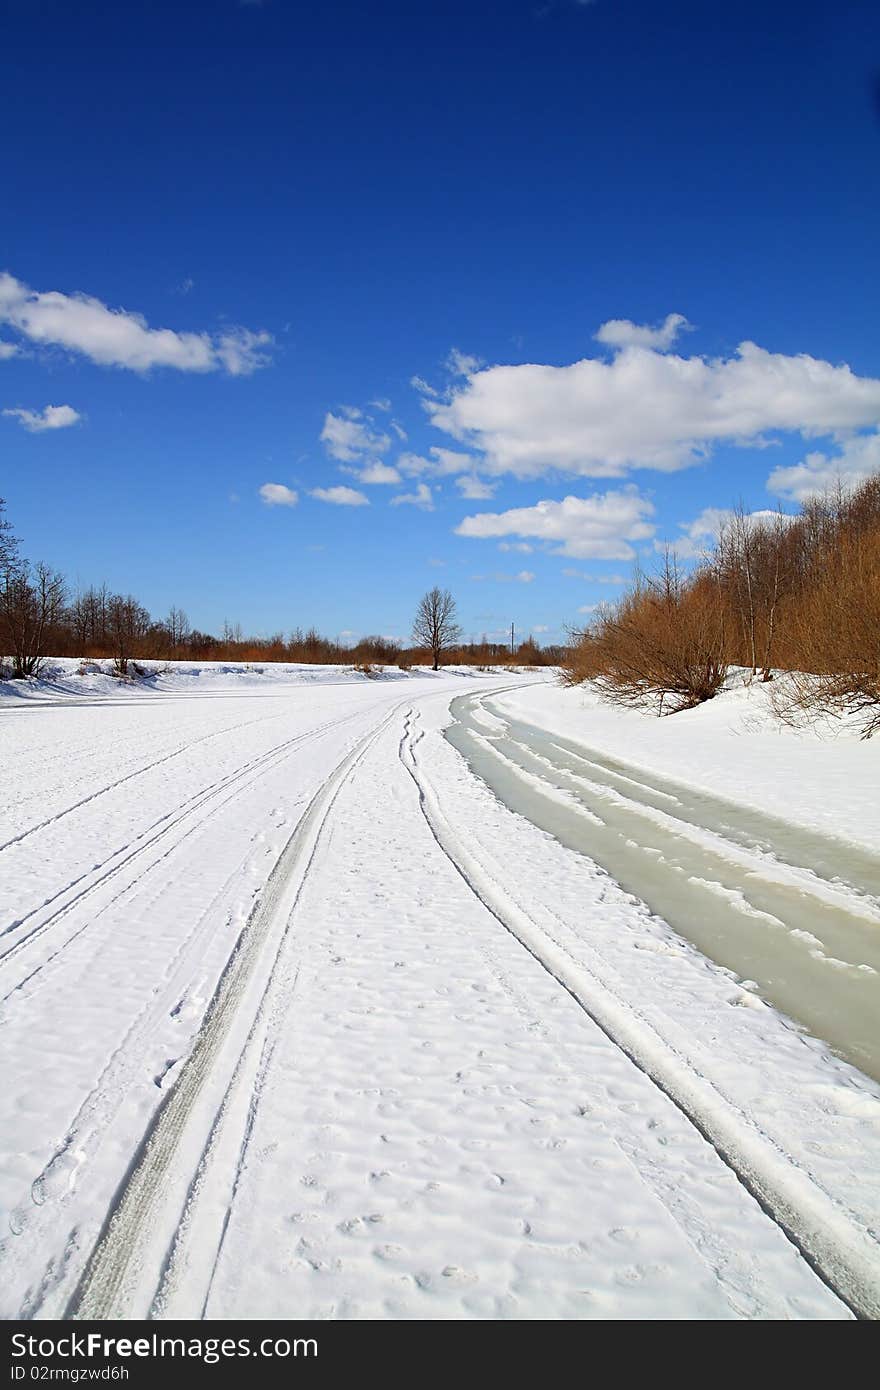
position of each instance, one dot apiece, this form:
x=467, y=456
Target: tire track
x=108, y=869
x=129, y=777
x=842, y=1253
x=134, y=1247
x=746, y=896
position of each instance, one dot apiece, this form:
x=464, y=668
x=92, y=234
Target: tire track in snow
x=817, y=853
x=135, y=1247
x=125, y=857
x=843, y=1254
x=121, y=781
x=740, y=892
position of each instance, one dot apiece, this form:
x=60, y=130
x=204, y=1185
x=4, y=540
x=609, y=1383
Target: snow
x=324, y=1026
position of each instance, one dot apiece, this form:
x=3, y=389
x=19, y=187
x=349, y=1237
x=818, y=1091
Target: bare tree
x=79, y=622
x=127, y=623
x=177, y=625
x=435, y=626
x=31, y=603
x=9, y=558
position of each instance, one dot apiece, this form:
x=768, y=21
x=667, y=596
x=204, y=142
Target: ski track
x=401, y=1036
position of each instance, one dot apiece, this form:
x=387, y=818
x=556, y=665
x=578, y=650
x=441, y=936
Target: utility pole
x=511, y=640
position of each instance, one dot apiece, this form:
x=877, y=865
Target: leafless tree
x=127, y=623
x=177, y=625
x=435, y=626
x=31, y=603
x=9, y=559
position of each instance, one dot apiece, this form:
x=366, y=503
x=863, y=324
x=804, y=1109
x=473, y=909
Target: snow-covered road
x=300, y=1021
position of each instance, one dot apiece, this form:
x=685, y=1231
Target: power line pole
x=511, y=640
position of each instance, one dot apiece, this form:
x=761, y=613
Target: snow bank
x=71, y=677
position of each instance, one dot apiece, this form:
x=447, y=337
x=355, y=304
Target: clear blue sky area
x=300, y=303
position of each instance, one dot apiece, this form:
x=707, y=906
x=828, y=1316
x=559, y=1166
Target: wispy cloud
x=340, y=496
x=442, y=463
x=118, y=338
x=593, y=578
x=475, y=489
x=421, y=498
x=499, y=577
x=423, y=387
x=462, y=363
x=51, y=417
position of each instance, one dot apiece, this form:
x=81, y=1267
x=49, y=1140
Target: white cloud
x=600, y=527
x=462, y=363
x=51, y=417
x=277, y=495
x=621, y=333
x=340, y=496
x=443, y=463
x=420, y=498
x=522, y=546
x=376, y=473
x=524, y=577
x=381, y=403
x=474, y=488
x=700, y=535
x=7, y=350
x=240, y=351
x=118, y=338
x=423, y=387
x=859, y=457
x=644, y=409
x=592, y=578
x=349, y=437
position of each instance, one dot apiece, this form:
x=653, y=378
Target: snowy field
x=308, y=1011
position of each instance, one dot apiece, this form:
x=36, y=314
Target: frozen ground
x=299, y=1019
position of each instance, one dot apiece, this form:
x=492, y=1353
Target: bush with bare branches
x=661, y=645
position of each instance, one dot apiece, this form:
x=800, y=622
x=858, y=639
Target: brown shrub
x=662, y=644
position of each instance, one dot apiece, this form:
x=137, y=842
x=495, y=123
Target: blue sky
x=258, y=244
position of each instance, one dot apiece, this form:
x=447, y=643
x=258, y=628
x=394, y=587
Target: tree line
x=40, y=617
x=795, y=593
